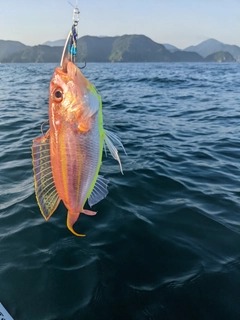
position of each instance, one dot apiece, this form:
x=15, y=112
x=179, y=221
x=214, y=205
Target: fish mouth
x=67, y=69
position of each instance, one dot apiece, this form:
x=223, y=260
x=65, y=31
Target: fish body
x=67, y=159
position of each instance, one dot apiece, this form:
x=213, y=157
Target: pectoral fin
x=110, y=139
x=46, y=193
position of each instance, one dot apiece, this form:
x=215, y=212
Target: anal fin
x=45, y=190
x=99, y=191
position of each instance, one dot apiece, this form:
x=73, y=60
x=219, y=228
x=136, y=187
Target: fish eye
x=58, y=95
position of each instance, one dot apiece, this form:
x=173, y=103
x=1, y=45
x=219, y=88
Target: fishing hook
x=83, y=66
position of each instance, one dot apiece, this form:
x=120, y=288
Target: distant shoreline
x=126, y=48
x=136, y=62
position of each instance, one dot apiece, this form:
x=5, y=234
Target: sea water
x=165, y=243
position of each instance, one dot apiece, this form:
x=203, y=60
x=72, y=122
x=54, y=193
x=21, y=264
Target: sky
x=178, y=22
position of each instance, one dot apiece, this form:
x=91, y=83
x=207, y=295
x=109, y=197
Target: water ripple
x=169, y=230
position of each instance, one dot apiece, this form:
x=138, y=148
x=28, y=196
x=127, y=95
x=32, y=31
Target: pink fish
x=67, y=159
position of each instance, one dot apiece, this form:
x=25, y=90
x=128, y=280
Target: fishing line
x=43, y=124
x=70, y=48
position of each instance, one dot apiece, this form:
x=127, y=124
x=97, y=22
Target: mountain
x=220, y=57
x=170, y=47
x=94, y=49
x=211, y=46
x=8, y=47
x=56, y=43
x=126, y=48
x=181, y=56
x=137, y=48
x=38, y=53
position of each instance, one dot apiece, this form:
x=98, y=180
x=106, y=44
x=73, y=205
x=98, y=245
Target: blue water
x=165, y=243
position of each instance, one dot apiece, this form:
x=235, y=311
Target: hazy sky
x=178, y=22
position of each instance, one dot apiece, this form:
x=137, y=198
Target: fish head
x=72, y=97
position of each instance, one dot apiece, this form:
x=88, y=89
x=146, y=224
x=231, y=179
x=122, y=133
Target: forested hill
x=126, y=48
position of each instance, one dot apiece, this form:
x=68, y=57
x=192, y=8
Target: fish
x=67, y=158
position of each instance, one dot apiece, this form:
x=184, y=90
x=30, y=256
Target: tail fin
x=72, y=218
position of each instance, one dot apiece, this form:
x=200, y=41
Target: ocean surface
x=165, y=243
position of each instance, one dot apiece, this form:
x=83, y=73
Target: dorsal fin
x=45, y=189
x=99, y=192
